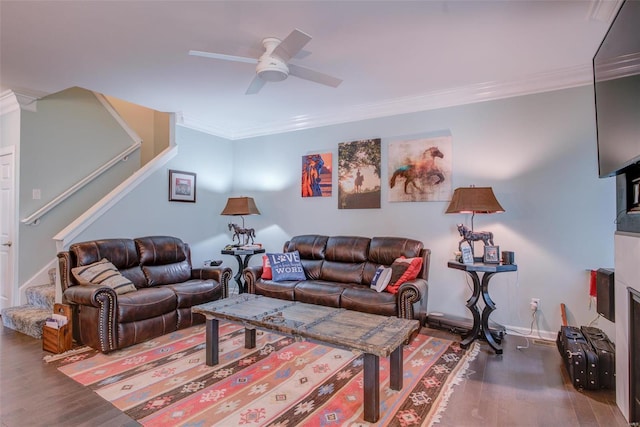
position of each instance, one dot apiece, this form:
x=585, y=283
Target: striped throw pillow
x=104, y=273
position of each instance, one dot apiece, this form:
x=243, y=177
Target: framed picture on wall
x=182, y=186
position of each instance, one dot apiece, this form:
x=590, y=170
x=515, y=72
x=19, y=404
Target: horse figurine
x=473, y=236
x=248, y=233
x=423, y=169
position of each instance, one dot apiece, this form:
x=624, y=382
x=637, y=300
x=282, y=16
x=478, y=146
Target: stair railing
x=34, y=218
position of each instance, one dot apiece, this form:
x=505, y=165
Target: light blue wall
x=69, y=136
x=146, y=210
x=538, y=152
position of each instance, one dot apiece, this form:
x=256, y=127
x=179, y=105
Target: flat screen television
x=616, y=77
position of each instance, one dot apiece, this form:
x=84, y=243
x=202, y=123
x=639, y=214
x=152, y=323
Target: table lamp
x=241, y=206
x=474, y=200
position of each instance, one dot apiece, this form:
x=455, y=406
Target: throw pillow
x=286, y=266
x=381, y=278
x=105, y=273
x=266, y=268
x=402, y=270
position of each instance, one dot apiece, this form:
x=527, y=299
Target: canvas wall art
x=420, y=170
x=316, y=178
x=359, y=174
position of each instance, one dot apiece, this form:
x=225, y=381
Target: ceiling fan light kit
x=273, y=65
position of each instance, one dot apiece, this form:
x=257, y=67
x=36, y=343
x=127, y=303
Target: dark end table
x=481, y=286
x=242, y=256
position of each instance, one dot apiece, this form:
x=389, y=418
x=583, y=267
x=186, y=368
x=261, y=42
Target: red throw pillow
x=266, y=268
x=402, y=270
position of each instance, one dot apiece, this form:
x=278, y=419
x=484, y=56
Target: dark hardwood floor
x=527, y=387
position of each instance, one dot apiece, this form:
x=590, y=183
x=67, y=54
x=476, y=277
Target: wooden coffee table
x=376, y=336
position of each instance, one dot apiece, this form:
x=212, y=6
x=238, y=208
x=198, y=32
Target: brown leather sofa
x=339, y=271
x=166, y=287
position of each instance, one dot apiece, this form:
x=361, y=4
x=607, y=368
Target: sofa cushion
x=342, y=272
x=318, y=292
x=155, y=250
x=164, y=260
x=345, y=259
x=103, y=273
x=385, y=250
x=194, y=292
x=286, y=266
x=349, y=249
x=367, y=300
x=120, y=252
x=402, y=270
x=310, y=246
x=146, y=303
x=167, y=273
x=280, y=290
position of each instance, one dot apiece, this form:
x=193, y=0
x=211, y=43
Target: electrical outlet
x=535, y=304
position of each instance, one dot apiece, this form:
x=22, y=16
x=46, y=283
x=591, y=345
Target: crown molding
x=488, y=91
x=8, y=102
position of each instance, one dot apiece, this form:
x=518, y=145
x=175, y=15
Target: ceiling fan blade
x=314, y=76
x=290, y=46
x=254, y=87
x=223, y=56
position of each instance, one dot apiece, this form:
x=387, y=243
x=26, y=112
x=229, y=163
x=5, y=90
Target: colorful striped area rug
x=281, y=382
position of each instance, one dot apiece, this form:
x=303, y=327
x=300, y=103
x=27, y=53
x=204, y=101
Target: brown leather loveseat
x=339, y=271
x=156, y=288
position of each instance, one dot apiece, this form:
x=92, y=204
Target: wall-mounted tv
x=616, y=76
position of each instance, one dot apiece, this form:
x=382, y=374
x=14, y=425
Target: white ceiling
x=394, y=56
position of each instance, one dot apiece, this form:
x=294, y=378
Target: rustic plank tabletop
x=369, y=333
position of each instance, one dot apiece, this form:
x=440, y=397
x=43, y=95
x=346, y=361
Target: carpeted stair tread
x=27, y=319
x=42, y=296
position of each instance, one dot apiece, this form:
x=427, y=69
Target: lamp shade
x=240, y=206
x=474, y=200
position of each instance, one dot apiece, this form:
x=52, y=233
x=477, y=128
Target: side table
x=481, y=285
x=242, y=256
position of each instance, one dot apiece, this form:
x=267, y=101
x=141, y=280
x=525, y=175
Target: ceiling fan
x=273, y=65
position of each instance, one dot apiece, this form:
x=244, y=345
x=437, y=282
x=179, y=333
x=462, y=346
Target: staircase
x=30, y=318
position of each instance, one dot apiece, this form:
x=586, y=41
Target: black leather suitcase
x=580, y=359
x=606, y=353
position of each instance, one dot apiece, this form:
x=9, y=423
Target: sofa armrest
x=105, y=300
x=220, y=274
x=412, y=300
x=88, y=294
x=251, y=275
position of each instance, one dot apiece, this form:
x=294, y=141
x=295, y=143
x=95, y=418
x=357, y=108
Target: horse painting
x=248, y=233
x=424, y=171
x=473, y=236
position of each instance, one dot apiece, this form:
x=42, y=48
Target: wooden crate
x=56, y=340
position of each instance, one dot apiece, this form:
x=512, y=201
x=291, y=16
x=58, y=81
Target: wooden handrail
x=34, y=218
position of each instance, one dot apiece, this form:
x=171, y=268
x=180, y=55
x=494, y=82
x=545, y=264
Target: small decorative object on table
x=491, y=255
x=467, y=254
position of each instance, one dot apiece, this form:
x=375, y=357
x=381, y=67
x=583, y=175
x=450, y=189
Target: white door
x=7, y=231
